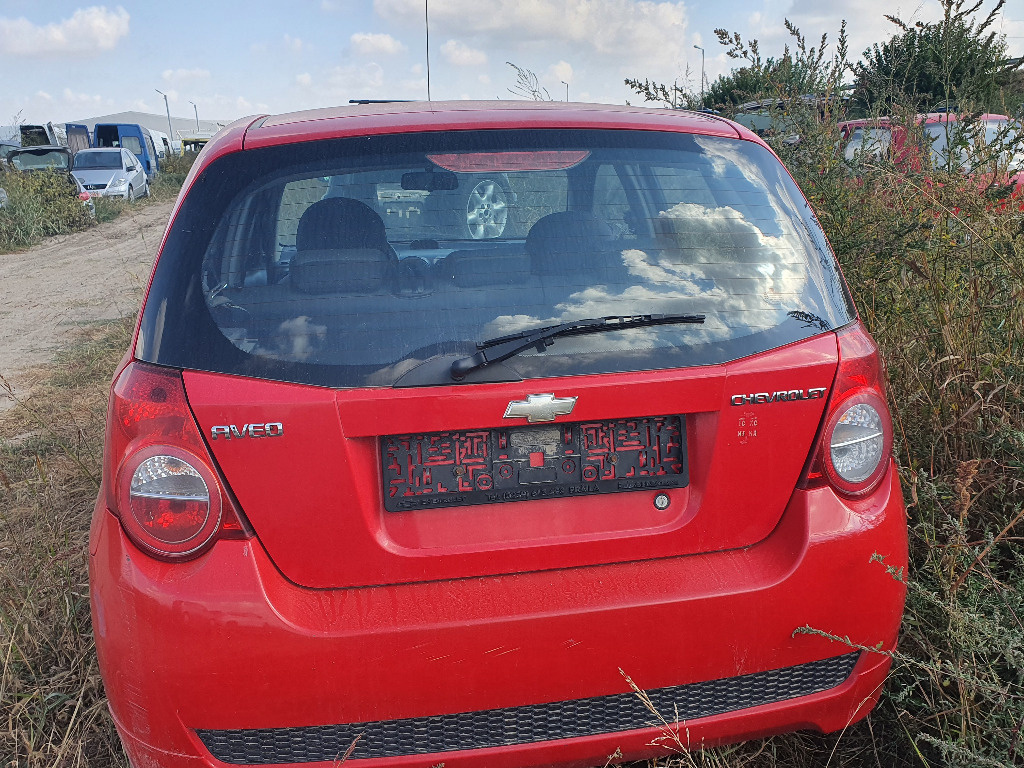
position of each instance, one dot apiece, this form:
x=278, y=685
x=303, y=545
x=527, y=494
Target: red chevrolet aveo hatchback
x=444, y=422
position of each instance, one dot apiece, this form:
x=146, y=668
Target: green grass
x=40, y=204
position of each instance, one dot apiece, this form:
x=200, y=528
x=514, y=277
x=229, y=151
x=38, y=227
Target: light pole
x=566, y=89
x=197, y=114
x=170, y=134
x=701, y=75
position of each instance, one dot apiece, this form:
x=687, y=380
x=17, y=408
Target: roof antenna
x=426, y=25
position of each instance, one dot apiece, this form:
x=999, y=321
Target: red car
x=953, y=143
x=379, y=492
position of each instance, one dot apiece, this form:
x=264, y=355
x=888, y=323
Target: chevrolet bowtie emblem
x=540, y=407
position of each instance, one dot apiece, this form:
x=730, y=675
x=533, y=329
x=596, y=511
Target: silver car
x=111, y=172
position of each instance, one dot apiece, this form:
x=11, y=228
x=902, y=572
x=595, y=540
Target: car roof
x=922, y=119
x=952, y=117
x=42, y=148
x=402, y=117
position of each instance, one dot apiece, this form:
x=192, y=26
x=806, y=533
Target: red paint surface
x=226, y=642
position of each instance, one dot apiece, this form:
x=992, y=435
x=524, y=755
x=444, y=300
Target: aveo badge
x=233, y=431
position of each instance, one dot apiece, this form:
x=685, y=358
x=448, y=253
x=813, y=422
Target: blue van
x=130, y=136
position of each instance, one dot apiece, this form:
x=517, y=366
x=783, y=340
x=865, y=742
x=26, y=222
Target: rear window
x=132, y=143
x=965, y=145
x=377, y=261
x=868, y=144
x=36, y=160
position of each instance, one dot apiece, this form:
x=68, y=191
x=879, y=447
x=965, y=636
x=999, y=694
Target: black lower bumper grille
x=526, y=724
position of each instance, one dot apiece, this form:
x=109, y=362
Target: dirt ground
x=48, y=291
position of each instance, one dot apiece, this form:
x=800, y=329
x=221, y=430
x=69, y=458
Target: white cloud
x=305, y=79
x=351, y=82
x=81, y=100
x=560, y=72
x=608, y=26
x=371, y=44
x=87, y=31
x=615, y=36
x=461, y=55
x=293, y=44
x=185, y=75
x=866, y=23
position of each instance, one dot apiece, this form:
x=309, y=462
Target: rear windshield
x=868, y=144
x=36, y=160
x=965, y=145
x=378, y=261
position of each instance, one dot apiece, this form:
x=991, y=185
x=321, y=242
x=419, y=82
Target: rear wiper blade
x=503, y=347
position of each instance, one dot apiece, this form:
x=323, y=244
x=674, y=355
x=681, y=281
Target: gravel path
x=52, y=288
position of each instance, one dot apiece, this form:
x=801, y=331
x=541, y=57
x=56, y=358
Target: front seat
x=341, y=246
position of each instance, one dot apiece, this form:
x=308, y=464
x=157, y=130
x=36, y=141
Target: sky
x=64, y=60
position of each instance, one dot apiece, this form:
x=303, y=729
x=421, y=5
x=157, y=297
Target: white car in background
x=111, y=172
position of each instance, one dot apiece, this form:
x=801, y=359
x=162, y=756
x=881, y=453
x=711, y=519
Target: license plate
x=487, y=466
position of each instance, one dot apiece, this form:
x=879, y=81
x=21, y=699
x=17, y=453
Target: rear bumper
x=222, y=656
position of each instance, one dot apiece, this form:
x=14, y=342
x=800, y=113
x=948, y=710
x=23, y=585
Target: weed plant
x=935, y=260
x=40, y=204
x=178, y=165
x=43, y=204
x=173, y=170
x=108, y=208
x=52, y=708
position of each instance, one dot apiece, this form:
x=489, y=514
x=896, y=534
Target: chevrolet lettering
x=784, y=396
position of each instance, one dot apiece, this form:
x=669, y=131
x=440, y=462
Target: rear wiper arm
x=503, y=347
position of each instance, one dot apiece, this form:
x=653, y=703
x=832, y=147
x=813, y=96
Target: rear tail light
x=160, y=479
x=852, y=452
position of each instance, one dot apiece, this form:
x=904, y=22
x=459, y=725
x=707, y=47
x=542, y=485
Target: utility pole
x=701, y=75
x=170, y=134
x=197, y=114
x=566, y=89
x=426, y=27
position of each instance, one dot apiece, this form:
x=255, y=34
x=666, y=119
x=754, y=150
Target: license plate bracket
x=523, y=463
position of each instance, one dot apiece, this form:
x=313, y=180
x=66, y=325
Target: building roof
x=181, y=125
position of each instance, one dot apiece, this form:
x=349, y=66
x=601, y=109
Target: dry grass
x=52, y=708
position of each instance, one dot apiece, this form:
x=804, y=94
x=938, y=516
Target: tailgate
x=380, y=485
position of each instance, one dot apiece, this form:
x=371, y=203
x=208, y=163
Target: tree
x=957, y=59
x=800, y=70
